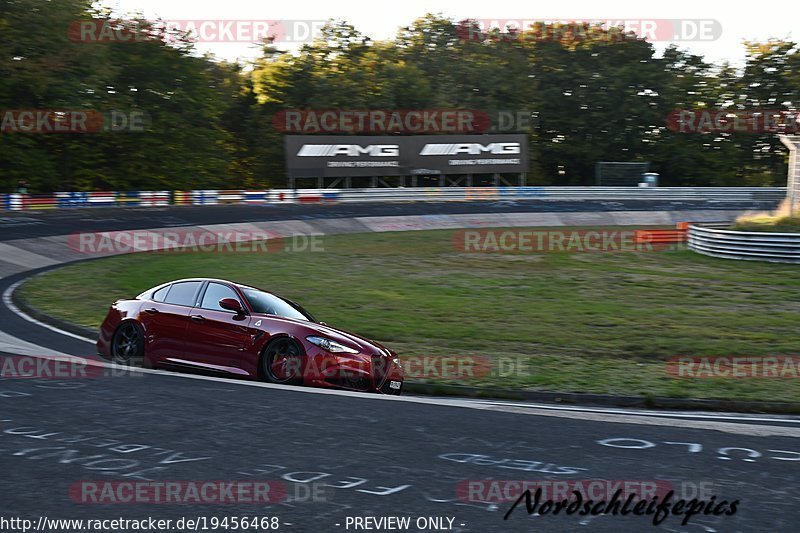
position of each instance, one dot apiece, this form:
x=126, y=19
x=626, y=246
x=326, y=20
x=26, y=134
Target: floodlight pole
x=792, y=142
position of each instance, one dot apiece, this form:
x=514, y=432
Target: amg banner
x=345, y=155
x=466, y=154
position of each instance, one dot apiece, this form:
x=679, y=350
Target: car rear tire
x=127, y=346
x=282, y=362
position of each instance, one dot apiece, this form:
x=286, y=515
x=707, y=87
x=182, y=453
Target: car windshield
x=269, y=304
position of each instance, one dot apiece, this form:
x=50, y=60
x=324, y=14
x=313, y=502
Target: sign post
x=792, y=142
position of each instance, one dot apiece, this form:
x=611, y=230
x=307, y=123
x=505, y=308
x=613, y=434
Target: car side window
x=216, y=292
x=184, y=293
x=160, y=294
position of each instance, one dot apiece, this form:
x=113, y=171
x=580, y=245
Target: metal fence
x=711, y=239
x=64, y=200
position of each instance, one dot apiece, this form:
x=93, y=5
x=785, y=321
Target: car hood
x=365, y=346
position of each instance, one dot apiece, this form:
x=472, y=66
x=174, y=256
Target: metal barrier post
x=792, y=142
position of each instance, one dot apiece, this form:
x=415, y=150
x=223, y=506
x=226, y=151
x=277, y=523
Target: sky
x=380, y=19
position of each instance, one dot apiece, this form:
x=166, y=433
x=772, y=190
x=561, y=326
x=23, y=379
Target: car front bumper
x=379, y=373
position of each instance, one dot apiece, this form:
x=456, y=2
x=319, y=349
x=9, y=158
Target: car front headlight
x=330, y=346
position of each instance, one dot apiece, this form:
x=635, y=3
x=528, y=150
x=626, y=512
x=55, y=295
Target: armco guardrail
x=64, y=200
x=711, y=239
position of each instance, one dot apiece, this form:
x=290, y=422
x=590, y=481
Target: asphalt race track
x=20, y=225
x=385, y=457
x=333, y=457
x=369, y=456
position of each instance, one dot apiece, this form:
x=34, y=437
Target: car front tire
x=282, y=362
x=127, y=345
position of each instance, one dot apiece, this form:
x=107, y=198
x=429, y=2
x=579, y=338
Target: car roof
x=201, y=279
x=235, y=284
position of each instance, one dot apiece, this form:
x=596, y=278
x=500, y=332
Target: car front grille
x=352, y=381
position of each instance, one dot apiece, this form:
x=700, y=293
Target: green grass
x=601, y=322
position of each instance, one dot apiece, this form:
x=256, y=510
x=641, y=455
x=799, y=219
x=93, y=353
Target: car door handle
x=152, y=310
x=198, y=318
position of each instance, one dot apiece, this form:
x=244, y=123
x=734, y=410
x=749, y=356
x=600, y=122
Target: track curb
x=605, y=400
x=41, y=316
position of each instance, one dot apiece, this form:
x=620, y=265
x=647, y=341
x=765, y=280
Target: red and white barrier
x=154, y=198
x=102, y=198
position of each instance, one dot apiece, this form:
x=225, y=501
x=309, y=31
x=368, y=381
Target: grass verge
x=573, y=322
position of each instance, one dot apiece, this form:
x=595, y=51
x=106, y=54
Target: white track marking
x=615, y=411
x=12, y=345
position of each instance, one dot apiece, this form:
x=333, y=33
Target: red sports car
x=220, y=326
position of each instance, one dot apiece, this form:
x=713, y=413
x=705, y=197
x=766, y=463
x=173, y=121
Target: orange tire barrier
x=659, y=236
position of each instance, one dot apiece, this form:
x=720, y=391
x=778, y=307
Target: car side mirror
x=231, y=304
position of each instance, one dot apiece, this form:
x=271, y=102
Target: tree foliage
x=597, y=95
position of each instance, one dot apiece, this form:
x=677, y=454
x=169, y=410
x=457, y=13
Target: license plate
x=395, y=385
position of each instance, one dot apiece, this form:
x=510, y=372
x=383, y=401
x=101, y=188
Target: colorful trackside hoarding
x=370, y=155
